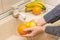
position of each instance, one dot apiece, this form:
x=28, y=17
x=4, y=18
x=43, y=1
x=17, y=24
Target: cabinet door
x=0, y=6
x=7, y=4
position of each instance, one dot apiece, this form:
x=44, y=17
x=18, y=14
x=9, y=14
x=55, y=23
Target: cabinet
x=8, y=3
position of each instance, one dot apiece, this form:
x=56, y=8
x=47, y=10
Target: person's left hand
x=34, y=31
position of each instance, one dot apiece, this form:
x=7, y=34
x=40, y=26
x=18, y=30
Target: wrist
x=41, y=21
x=43, y=28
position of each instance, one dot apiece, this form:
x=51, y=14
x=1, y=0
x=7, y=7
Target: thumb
x=28, y=29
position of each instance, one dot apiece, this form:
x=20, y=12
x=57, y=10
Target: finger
x=30, y=35
x=28, y=29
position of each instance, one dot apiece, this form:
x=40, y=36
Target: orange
x=36, y=10
x=21, y=27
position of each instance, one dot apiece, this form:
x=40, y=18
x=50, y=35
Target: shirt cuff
x=53, y=30
x=50, y=18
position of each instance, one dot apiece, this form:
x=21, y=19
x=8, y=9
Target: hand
x=34, y=31
x=40, y=22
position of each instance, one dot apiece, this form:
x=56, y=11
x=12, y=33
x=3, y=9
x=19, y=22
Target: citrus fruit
x=36, y=10
x=27, y=24
x=32, y=24
x=21, y=27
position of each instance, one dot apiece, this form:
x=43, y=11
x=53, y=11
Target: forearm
x=50, y=17
x=53, y=15
x=53, y=30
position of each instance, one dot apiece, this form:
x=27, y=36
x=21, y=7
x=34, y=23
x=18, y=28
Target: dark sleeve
x=53, y=15
x=53, y=30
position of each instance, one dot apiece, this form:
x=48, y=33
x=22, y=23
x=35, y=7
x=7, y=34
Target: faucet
x=16, y=12
x=19, y=15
